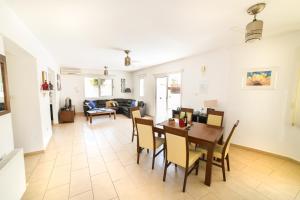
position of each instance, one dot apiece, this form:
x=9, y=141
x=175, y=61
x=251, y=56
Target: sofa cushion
x=91, y=104
x=125, y=108
x=133, y=103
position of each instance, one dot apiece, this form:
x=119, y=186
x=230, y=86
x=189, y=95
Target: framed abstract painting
x=259, y=78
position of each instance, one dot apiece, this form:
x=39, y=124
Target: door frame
x=161, y=75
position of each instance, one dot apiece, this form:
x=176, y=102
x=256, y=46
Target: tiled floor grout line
x=90, y=169
x=50, y=177
x=107, y=167
x=33, y=169
x=71, y=166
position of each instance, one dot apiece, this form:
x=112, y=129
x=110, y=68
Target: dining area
x=185, y=143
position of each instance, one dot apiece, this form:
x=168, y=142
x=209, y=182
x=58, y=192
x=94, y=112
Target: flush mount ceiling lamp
x=127, y=58
x=105, y=71
x=254, y=29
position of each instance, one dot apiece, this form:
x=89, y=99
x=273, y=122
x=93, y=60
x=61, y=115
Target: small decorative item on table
x=171, y=121
x=181, y=123
x=45, y=85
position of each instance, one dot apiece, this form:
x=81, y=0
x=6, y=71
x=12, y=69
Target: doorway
x=168, y=95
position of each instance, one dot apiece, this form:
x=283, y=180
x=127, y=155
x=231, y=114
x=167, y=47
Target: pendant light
x=105, y=71
x=127, y=58
x=254, y=29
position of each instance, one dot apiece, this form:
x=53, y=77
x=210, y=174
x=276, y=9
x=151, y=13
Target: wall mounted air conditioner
x=70, y=71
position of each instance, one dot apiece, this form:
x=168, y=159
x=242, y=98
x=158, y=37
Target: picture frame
x=259, y=78
x=58, y=82
x=44, y=76
x=123, y=85
x=4, y=89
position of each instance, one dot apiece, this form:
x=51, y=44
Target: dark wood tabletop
x=197, y=131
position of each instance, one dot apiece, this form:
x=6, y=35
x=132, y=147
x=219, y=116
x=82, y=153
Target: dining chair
x=221, y=152
x=146, y=138
x=178, y=152
x=215, y=118
x=135, y=113
x=188, y=112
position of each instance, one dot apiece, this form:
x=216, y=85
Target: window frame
x=98, y=92
x=142, y=88
x=112, y=87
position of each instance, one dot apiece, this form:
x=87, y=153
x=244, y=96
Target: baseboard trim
x=33, y=153
x=266, y=153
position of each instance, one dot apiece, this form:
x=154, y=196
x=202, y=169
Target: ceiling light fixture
x=105, y=71
x=254, y=29
x=127, y=58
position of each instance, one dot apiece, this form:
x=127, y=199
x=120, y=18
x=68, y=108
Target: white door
x=161, y=99
x=174, y=93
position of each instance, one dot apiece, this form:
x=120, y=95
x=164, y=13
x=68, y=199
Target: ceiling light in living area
x=127, y=58
x=254, y=29
x=105, y=71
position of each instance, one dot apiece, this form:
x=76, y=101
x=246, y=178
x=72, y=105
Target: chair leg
x=165, y=170
x=185, y=178
x=153, y=159
x=132, y=134
x=227, y=161
x=147, y=150
x=138, y=155
x=197, y=168
x=223, y=169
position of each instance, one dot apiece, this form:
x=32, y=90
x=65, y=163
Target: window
x=91, y=87
x=142, y=92
x=95, y=87
x=106, y=87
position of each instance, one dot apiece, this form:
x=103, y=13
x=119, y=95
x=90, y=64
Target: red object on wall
x=45, y=86
x=181, y=123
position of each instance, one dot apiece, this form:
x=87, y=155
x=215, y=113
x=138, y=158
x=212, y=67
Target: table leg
x=109, y=115
x=114, y=115
x=91, y=119
x=210, y=150
x=220, y=140
x=87, y=117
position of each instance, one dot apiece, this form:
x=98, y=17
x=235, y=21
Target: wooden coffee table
x=98, y=112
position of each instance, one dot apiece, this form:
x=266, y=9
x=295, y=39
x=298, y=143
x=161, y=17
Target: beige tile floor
x=98, y=161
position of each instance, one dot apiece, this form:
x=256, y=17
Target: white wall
x=264, y=114
x=13, y=173
x=24, y=101
x=15, y=30
x=73, y=87
x=6, y=132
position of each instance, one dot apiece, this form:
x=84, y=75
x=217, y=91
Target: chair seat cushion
x=159, y=141
x=192, y=146
x=217, y=151
x=193, y=157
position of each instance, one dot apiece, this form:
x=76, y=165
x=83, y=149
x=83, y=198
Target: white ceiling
x=85, y=33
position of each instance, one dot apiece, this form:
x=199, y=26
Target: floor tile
x=98, y=161
x=59, y=193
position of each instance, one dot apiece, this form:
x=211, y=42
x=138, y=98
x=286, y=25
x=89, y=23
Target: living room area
x=149, y=100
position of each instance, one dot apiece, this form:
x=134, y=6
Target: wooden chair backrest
x=177, y=146
x=188, y=111
x=215, y=118
x=135, y=113
x=145, y=134
x=228, y=140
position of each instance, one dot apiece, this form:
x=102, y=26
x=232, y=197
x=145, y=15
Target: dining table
x=205, y=136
